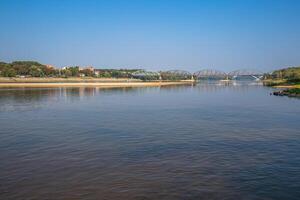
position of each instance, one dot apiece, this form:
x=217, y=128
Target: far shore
x=91, y=82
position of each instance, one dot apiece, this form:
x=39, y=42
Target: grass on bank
x=282, y=83
x=293, y=91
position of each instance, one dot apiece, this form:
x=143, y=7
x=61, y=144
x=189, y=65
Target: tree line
x=24, y=68
x=291, y=74
x=36, y=69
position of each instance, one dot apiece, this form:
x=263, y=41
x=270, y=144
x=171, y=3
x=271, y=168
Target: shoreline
x=281, y=83
x=92, y=84
x=287, y=86
x=65, y=80
x=294, y=92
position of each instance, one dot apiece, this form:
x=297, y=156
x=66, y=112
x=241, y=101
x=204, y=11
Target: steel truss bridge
x=208, y=74
x=234, y=75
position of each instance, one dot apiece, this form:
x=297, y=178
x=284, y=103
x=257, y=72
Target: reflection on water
x=205, y=141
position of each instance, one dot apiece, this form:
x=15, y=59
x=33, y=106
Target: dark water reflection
x=209, y=141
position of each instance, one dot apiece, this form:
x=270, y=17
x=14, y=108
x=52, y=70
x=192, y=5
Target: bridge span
x=212, y=74
x=204, y=74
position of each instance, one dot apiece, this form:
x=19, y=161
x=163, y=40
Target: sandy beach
x=64, y=80
x=92, y=84
x=287, y=86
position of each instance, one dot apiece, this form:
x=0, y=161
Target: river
x=207, y=141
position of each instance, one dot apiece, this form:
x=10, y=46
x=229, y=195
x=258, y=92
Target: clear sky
x=152, y=34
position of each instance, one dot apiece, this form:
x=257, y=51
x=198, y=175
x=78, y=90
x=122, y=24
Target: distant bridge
x=234, y=75
x=246, y=73
x=209, y=74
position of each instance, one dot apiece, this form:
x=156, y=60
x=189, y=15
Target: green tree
x=116, y=74
x=66, y=72
x=35, y=71
x=290, y=74
x=23, y=67
x=49, y=71
x=74, y=71
x=2, y=65
x=106, y=74
x=8, y=72
x=87, y=72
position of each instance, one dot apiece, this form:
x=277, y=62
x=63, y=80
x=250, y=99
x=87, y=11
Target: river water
x=207, y=141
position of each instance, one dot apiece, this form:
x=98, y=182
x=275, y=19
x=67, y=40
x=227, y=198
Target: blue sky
x=152, y=34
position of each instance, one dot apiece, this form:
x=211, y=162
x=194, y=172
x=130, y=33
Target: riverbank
x=102, y=84
x=294, y=92
x=288, y=88
x=281, y=83
x=65, y=80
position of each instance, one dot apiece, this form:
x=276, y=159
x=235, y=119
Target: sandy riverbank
x=287, y=86
x=92, y=84
x=65, y=80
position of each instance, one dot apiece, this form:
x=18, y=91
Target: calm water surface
x=208, y=141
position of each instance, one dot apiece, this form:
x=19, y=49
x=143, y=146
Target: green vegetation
x=294, y=91
x=35, y=69
x=175, y=75
x=289, y=75
x=146, y=75
x=116, y=73
x=26, y=68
